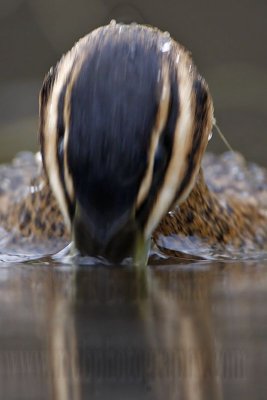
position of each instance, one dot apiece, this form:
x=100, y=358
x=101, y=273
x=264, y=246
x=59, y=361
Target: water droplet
x=113, y=22
x=210, y=135
x=166, y=46
x=165, y=42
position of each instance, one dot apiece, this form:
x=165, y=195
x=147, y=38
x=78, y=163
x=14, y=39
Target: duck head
x=124, y=121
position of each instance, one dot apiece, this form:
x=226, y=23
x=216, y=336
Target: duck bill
x=115, y=241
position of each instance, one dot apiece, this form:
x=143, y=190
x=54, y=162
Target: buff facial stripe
x=164, y=148
x=183, y=133
x=61, y=126
x=43, y=100
x=67, y=177
x=200, y=118
x=160, y=123
x=50, y=132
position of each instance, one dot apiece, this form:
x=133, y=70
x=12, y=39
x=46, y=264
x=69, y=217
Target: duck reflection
x=142, y=333
x=159, y=332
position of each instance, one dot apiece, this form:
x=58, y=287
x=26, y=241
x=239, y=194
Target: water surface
x=186, y=331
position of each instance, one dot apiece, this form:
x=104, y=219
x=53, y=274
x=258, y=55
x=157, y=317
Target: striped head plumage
x=124, y=122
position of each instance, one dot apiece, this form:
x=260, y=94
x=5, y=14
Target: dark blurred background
x=227, y=40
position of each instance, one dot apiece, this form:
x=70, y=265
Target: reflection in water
x=173, y=332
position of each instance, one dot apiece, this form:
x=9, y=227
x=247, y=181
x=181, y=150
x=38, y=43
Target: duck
x=124, y=122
